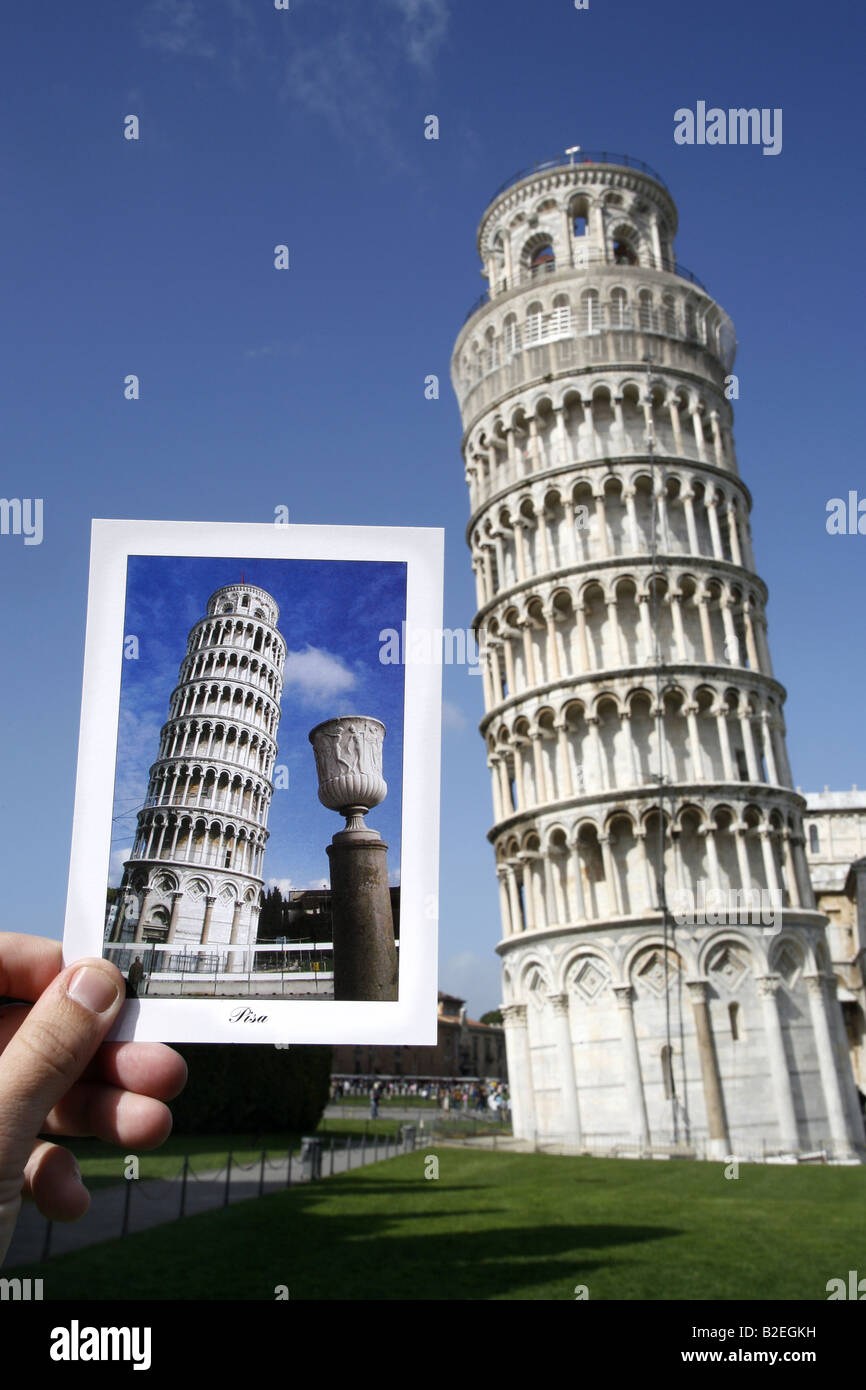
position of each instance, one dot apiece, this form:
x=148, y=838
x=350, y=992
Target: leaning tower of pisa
x=194, y=877
x=642, y=794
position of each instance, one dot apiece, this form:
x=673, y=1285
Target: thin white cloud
x=453, y=716
x=285, y=885
x=315, y=675
x=424, y=26
x=116, y=863
x=176, y=27
x=347, y=79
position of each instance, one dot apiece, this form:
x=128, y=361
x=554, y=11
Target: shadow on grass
x=320, y=1244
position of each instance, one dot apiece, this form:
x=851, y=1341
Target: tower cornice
x=625, y=799
x=642, y=675
x=704, y=564
x=614, y=465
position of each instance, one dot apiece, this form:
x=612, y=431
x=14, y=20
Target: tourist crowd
x=450, y=1095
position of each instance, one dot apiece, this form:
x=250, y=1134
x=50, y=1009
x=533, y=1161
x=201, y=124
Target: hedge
x=248, y=1088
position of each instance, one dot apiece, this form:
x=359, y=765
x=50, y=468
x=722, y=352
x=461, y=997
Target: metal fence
x=160, y=968
x=319, y=1156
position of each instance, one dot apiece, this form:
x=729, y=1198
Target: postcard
x=255, y=836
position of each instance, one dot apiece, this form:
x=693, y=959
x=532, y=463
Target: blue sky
x=304, y=388
x=331, y=614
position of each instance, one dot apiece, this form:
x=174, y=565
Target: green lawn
x=501, y=1226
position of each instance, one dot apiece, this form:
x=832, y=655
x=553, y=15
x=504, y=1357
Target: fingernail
x=93, y=988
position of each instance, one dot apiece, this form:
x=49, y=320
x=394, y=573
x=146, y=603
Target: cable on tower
x=668, y=932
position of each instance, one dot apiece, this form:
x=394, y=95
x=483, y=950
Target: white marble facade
x=632, y=717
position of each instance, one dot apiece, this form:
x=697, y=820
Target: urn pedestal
x=348, y=754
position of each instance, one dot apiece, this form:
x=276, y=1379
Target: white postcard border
x=411, y=1020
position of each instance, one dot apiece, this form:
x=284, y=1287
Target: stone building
x=465, y=1047
x=633, y=724
x=194, y=877
x=835, y=825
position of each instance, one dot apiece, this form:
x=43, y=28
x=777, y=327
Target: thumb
x=47, y=1055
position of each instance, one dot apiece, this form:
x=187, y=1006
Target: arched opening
x=590, y=313
x=623, y=251
x=542, y=260
x=619, y=312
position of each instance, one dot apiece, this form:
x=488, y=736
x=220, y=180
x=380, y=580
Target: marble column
x=725, y=745
x=564, y=760
x=172, y=921
x=767, y=749
x=849, y=1090
x=520, y=1085
x=827, y=1064
x=673, y=409
x=543, y=543
x=635, y=1099
x=691, y=528
x=580, y=900
x=519, y=550
x=208, y=912
x=706, y=633
x=517, y=921
x=601, y=518
x=552, y=654
x=538, y=767
x=611, y=874
x=791, y=872
x=709, y=834
x=565, y=1057
x=145, y=908
x=768, y=988
x=518, y=774
x=504, y=904
x=528, y=654
x=581, y=636
x=715, y=533
x=719, y=1145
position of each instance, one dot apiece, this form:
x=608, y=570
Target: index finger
x=28, y=964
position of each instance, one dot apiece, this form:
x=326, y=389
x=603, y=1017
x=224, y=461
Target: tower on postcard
x=192, y=886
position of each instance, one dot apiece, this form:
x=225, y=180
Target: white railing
x=547, y=328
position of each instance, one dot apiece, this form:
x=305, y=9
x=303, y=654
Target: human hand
x=57, y=1076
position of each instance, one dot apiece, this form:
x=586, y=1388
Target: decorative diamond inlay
x=728, y=967
x=537, y=993
x=590, y=980
x=652, y=973
x=787, y=965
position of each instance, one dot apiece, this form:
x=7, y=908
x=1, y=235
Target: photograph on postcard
x=232, y=741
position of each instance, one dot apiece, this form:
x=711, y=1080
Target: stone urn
x=348, y=753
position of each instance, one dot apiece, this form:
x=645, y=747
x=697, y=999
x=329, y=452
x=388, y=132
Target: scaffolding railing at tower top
x=581, y=157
